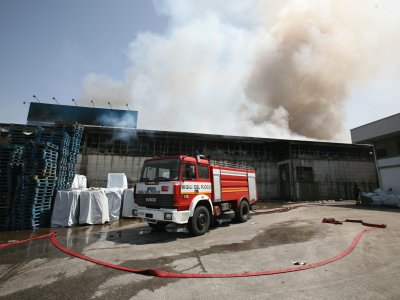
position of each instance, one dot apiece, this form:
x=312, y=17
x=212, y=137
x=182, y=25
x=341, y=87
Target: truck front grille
x=155, y=201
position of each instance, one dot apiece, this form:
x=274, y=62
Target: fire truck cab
x=193, y=191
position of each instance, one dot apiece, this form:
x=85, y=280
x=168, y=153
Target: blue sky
x=48, y=46
x=206, y=66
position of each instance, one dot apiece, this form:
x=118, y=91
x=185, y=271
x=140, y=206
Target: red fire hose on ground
x=161, y=273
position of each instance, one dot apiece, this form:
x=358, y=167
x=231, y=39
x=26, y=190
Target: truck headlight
x=134, y=212
x=167, y=216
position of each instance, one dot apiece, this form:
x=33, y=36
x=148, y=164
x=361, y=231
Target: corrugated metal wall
x=376, y=129
x=331, y=179
x=330, y=169
x=334, y=179
x=98, y=166
x=391, y=179
x=384, y=134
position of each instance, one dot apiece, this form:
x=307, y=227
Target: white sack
x=390, y=200
x=93, y=207
x=117, y=180
x=379, y=191
x=128, y=203
x=66, y=209
x=80, y=182
x=114, y=197
x=376, y=199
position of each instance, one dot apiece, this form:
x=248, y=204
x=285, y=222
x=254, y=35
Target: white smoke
x=279, y=69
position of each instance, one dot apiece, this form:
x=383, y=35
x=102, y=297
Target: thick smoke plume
x=280, y=69
x=317, y=50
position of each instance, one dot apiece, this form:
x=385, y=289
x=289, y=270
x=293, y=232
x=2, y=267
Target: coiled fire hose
x=161, y=273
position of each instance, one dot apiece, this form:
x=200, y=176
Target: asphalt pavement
x=38, y=270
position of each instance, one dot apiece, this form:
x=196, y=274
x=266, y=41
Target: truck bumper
x=163, y=214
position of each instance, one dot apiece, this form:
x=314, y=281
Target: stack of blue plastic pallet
x=40, y=159
x=35, y=186
x=63, y=139
x=47, y=160
x=32, y=203
x=21, y=134
x=10, y=167
x=76, y=136
x=68, y=153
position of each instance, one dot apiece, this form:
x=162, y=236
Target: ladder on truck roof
x=230, y=165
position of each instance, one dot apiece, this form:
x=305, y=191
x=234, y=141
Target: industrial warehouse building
x=384, y=135
x=286, y=169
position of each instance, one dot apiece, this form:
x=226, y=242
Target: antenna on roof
x=73, y=100
x=54, y=98
x=37, y=99
x=127, y=106
x=93, y=103
x=109, y=103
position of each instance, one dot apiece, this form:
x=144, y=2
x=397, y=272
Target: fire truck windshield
x=160, y=169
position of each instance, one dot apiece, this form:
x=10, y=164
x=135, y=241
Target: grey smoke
x=280, y=69
x=306, y=74
x=318, y=49
x=124, y=125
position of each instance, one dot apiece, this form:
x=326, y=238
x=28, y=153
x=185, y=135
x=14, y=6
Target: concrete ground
x=37, y=270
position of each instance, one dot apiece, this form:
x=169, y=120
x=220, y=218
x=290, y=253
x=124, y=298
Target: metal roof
x=216, y=137
x=374, y=130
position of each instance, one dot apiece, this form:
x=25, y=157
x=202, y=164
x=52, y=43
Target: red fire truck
x=193, y=191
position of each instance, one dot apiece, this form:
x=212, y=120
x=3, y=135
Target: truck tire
x=200, y=222
x=159, y=226
x=243, y=212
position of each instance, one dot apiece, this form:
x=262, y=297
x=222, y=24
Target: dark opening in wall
x=305, y=174
x=382, y=152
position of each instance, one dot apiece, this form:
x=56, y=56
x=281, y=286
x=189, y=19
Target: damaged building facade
x=286, y=169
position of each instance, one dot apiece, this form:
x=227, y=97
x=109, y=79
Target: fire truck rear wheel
x=159, y=226
x=243, y=212
x=200, y=222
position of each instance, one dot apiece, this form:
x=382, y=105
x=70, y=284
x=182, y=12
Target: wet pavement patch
x=145, y=235
x=290, y=232
x=279, y=234
x=86, y=285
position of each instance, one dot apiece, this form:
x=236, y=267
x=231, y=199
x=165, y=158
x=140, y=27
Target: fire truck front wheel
x=200, y=222
x=243, y=212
